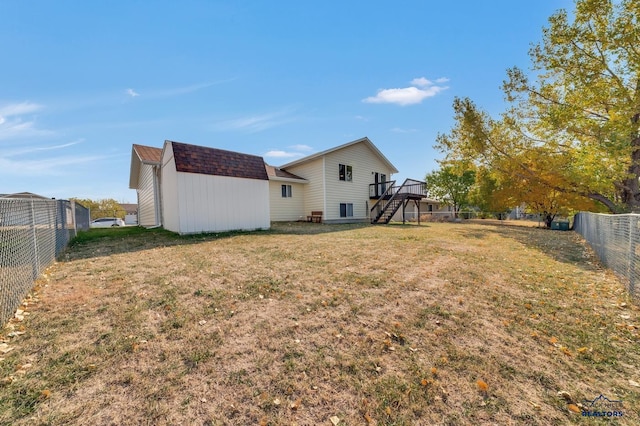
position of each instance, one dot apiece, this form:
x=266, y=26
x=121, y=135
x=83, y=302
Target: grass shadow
x=562, y=246
x=132, y=239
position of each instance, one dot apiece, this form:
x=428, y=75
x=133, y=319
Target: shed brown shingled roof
x=148, y=153
x=218, y=162
x=274, y=171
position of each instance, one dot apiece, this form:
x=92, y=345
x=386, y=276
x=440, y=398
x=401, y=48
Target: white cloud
x=401, y=130
x=46, y=167
x=29, y=150
x=281, y=154
x=420, y=89
x=12, y=110
x=361, y=118
x=132, y=93
x=258, y=123
x=12, y=124
x=421, y=82
x=302, y=148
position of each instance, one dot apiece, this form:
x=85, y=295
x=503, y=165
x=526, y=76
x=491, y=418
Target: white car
x=107, y=222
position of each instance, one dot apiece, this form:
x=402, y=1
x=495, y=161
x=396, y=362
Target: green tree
x=450, y=186
x=489, y=195
x=575, y=129
x=107, y=207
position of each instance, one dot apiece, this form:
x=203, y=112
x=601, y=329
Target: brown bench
x=316, y=216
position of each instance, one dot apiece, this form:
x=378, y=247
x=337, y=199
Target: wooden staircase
x=394, y=197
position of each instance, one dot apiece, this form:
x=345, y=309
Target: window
x=346, y=210
x=286, y=191
x=345, y=172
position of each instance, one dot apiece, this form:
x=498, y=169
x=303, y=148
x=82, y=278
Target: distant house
x=131, y=213
x=192, y=189
x=25, y=195
x=144, y=177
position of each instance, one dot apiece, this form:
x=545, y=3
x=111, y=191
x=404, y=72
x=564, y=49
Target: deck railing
x=410, y=188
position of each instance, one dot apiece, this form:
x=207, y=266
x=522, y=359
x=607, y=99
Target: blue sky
x=81, y=81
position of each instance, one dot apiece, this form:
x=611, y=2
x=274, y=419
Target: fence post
x=34, y=235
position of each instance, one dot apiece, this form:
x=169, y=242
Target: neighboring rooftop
x=212, y=161
x=148, y=153
x=129, y=208
x=29, y=195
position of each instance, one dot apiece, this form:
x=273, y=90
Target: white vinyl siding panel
x=314, y=190
x=219, y=203
x=286, y=208
x=146, y=197
x=170, y=196
x=364, y=163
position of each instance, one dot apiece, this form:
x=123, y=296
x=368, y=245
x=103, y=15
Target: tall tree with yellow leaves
x=575, y=130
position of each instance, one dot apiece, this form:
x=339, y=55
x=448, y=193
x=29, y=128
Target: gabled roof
x=212, y=161
x=141, y=154
x=276, y=173
x=364, y=140
x=129, y=208
x=148, y=154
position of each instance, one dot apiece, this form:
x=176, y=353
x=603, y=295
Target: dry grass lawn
x=452, y=324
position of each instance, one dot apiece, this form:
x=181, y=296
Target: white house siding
x=364, y=163
x=147, y=209
x=286, y=208
x=208, y=203
x=312, y=171
x=170, y=196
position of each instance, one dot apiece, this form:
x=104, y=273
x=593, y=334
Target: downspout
x=156, y=198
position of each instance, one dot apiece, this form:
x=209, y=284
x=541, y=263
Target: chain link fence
x=616, y=241
x=33, y=232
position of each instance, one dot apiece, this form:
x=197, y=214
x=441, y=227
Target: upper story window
x=345, y=172
x=286, y=191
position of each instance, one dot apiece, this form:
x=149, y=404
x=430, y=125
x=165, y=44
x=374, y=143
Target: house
x=131, y=213
x=192, y=189
x=25, y=195
x=286, y=195
x=144, y=176
x=342, y=182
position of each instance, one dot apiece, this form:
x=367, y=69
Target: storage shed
x=212, y=190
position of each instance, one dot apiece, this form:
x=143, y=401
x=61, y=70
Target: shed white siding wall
x=364, y=163
x=146, y=197
x=170, y=197
x=313, y=171
x=286, y=208
x=219, y=203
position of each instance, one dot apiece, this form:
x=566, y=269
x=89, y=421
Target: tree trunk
x=631, y=191
x=548, y=218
